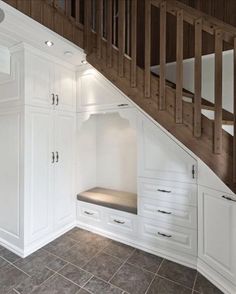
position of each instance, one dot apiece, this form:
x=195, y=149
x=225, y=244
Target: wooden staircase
x=162, y=100
x=107, y=30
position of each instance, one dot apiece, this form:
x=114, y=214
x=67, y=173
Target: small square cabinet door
x=160, y=157
x=39, y=81
x=64, y=196
x=64, y=87
x=217, y=232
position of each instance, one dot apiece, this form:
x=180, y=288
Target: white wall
x=208, y=65
x=107, y=153
x=116, y=153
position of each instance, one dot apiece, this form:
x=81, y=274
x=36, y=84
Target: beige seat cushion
x=124, y=201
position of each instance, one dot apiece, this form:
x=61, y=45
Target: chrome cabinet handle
x=164, y=235
x=57, y=100
x=53, y=99
x=88, y=213
x=118, y=222
x=164, y=191
x=57, y=156
x=164, y=212
x=228, y=198
x=53, y=157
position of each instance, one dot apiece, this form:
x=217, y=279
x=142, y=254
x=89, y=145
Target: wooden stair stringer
x=221, y=164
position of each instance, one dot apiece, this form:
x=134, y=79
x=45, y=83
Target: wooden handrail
x=209, y=23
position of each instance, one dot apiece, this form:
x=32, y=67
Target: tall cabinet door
x=64, y=88
x=217, y=231
x=64, y=196
x=39, y=173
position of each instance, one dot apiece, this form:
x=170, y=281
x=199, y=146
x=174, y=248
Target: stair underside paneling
x=221, y=164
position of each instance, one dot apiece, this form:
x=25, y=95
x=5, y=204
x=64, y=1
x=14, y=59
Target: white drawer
x=168, y=236
x=121, y=222
x=168, y=191
x=169, y=212
x=88, y=212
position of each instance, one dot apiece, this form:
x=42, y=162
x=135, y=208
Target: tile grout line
x=154, y=276
x=194, y=283
x=121, y=265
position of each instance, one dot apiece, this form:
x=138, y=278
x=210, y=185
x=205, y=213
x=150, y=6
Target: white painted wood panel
x=217, y=232
x=95, y=92
x=41, y=173
x=177, y=214
x=168, y=191
x=39, y=81
x=10, y=173
x=64, y=87
x=161, y=157
x=64, y=195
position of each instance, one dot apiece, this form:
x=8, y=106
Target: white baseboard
x=15, y=249
x=215, y=278
x=180, y=258
x=42, y=242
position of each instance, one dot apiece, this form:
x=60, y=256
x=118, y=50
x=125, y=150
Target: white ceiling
x=17, y=28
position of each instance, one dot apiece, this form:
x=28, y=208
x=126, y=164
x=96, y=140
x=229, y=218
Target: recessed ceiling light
x=49, y=43
x=84, y=61
x=68, y=53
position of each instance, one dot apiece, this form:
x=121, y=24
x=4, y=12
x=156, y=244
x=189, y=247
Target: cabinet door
x=64, y=196
x=40, y=171
x=39, y=81
x=161, y=157
x=217, y=232
x=64, y=88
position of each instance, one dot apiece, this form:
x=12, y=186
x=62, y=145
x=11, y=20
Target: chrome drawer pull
x=164, y=235
x=228, y=198
x=163, y=191
x=88, y=213
x=118, y=222
x=164, y=212
x=123, y=104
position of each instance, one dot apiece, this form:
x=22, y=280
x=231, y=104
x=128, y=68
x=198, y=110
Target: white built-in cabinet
x=51, y=136
x=217, y=232
x=49, y=84
x=38, y=104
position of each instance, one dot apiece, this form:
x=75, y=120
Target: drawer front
x=168, y=236
x=123, y=223
x=173, y=192
x=181, y=215
x=88, y=212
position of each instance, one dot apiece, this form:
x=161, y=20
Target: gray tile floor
x=81, y=262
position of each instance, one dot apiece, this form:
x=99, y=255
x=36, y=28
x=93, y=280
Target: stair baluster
x=218, y=92
x=234, y=139
x=198, y=78
x=121, y=36
x=87, y=26
x=99, y=10
x=162, y=81
x=133, y=43
x=109, y=33
x=147, y=48
x=179, y=67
